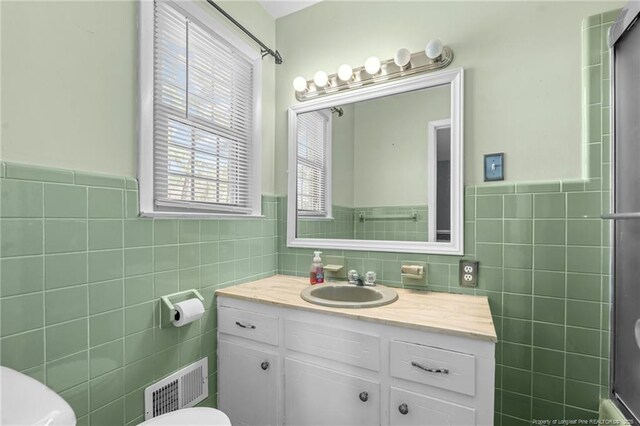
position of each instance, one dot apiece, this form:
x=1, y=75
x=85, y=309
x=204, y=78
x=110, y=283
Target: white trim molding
x=452, y=77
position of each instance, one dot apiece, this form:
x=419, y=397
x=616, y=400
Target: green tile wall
x=544, y=266
x=380, y=228
x=341, y=226
x=346, y=224
x=81, y=275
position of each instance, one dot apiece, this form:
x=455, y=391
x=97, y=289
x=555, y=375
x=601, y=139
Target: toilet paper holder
x=166, y=304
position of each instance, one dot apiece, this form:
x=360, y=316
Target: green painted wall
x=521, y=62
x=69, y=85
x=390, y=149
x=342, y=157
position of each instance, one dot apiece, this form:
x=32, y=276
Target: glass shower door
x=625, y=388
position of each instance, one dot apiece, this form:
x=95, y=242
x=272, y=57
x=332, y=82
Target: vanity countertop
x=456, y=314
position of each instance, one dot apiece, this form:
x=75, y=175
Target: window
x=199, y=115
x=314, y=153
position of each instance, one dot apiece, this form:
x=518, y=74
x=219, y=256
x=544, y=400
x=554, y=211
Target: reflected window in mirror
x=314, y=165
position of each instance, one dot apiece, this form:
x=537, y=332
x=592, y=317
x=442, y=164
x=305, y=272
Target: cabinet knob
x=403, y=408
x=264, y=365
x=364, y=396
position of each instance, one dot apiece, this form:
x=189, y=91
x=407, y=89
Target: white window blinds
x=203, y=117
x=313, y=138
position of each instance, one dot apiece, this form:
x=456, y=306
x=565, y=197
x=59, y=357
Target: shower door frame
x=627, y=17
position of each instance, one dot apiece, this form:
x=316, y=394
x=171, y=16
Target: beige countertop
x=456, y=314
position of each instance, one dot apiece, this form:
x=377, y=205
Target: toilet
x=26, y=401
x=190, y=417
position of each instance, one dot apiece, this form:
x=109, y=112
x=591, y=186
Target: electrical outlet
x=469, y=273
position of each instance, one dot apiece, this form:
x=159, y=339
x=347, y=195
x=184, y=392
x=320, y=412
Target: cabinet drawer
x=408, y=408
x=440, y=368
x=250, y=325
x=349, y=347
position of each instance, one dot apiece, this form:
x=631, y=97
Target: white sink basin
x=26, y=401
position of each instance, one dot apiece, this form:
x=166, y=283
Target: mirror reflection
x=379, y=169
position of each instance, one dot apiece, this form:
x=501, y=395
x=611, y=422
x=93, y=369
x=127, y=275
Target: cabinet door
x=248, y=385
x=319, y=396
x=408, y=408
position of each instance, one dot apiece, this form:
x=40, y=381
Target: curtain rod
x=264, y=49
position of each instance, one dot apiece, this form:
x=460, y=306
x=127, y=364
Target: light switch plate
x=494, y=167
x=469, y=273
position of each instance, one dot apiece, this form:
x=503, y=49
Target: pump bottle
x=316, y=274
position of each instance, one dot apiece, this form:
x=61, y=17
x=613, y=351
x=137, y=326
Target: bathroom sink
x=26, y=401
x=349, y=295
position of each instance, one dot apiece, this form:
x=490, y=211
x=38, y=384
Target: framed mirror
x=379, y=168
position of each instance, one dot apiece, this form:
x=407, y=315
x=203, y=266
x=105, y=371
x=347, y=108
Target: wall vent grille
x=182, y=389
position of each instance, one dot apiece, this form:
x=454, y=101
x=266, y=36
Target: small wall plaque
x=494, y=167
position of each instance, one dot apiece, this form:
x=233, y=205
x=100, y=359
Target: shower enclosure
x=624, y=40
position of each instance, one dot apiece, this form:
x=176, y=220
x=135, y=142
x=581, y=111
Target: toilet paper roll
x=187, y=311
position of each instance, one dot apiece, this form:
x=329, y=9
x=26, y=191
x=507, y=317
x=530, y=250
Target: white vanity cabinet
x=333, y=368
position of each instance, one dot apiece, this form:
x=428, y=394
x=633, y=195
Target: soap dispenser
x=316, y=275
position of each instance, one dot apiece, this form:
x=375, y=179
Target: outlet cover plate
x=469, y=273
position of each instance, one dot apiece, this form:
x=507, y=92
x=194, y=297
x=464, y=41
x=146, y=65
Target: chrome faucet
x=369, y=278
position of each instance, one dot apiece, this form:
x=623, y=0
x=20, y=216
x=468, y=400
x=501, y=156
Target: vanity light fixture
x=435, y=56
x=345, y=72
x=372, y=65
x=300, y=84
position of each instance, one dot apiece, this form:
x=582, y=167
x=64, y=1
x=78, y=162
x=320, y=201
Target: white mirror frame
x=454, y=77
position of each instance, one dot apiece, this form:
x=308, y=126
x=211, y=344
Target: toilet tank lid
x=190, y=417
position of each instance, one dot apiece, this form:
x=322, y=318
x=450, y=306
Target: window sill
x=188, y=215
x=316, y=218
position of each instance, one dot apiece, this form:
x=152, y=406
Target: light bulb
x=433, y=49
x=402, y=57
x=372, y=65
x=320, y=79
x=345, y=72
x=299, y=84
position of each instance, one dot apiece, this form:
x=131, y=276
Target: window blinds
x=203, y=110
x=313, y=128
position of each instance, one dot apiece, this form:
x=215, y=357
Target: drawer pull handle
x=264, y=365
x=403, y=408
x=239, y=324
x=364, y=396
x=430, y=370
